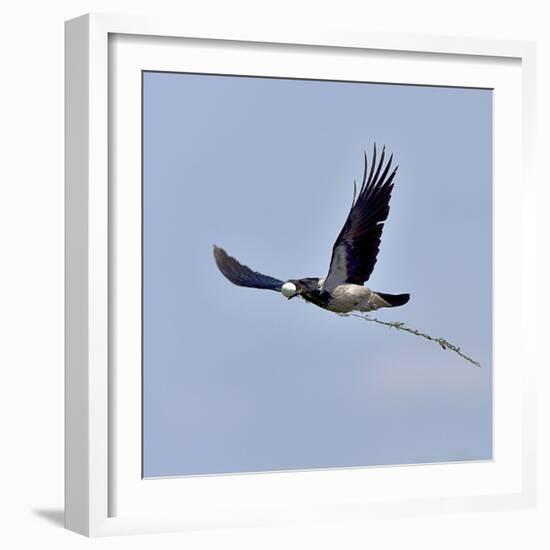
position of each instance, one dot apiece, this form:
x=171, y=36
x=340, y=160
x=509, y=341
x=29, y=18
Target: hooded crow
x=353, y=255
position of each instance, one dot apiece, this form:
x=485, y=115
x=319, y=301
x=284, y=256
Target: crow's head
x=297, y=287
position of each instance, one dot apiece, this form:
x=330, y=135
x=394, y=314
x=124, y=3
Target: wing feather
x=242, y=275
x=355, y=251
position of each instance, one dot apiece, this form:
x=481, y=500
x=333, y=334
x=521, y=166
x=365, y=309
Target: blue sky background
x=242, y=380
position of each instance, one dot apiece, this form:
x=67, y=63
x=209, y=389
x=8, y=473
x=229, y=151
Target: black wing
x=355, y=250
x=242, y=275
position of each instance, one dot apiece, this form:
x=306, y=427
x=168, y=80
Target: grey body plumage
x=353, y=258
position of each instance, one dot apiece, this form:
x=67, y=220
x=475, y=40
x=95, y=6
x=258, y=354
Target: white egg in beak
x=289, y=290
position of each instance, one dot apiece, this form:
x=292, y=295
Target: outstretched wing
x=242, y=275
x=355, y=250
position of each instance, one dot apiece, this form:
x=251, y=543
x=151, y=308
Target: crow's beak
x=298, y=293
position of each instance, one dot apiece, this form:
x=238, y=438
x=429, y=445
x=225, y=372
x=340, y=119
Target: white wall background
x=31, y=272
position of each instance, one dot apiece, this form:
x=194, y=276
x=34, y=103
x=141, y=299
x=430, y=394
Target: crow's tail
x=394, y=300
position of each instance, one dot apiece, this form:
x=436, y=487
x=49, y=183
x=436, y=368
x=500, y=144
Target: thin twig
x=445, y=344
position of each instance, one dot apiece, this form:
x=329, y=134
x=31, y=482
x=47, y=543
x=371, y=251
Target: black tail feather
x=394, y=299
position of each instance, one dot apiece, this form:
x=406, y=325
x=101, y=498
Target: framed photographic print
x=290, y=263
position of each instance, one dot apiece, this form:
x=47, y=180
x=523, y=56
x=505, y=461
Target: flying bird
x=353, y=255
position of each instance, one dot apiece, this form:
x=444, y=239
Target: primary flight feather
x=354, y=253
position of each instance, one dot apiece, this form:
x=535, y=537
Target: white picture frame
x=104, y=491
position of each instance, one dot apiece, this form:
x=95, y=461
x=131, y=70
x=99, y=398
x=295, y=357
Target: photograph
x=317, y=274
x=275, y=275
